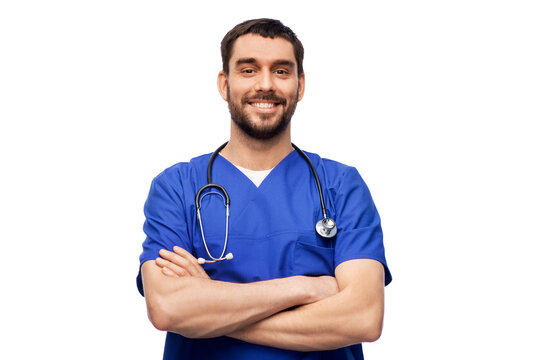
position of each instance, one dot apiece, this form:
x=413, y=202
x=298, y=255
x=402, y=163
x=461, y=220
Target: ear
x=301, y=86
x=222, y=85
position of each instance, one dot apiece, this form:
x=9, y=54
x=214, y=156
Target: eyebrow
x=285, y=63
x=242, y=61
x=245, y=61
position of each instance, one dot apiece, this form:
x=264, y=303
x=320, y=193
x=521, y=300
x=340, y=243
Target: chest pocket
x=312, y=260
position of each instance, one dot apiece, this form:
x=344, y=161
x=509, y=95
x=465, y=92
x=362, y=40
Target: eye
x=281, y=72
x=248, y=71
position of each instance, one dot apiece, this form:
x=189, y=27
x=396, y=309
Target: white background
x=435, y=102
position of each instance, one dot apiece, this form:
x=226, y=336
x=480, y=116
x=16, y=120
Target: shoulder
x=329, y=164
x=179, y=181
x=183, y=171
x=335, y=173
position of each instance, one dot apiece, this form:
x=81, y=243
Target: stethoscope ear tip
x=202, y=261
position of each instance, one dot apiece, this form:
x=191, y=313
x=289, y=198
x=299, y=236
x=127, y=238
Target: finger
x=186, y=255
x=180, y=261
x=168, y=272
x=190, y=258
x=171, y=266
x=174, y=258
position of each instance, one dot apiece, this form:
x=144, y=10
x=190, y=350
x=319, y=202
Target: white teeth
x=264, y=105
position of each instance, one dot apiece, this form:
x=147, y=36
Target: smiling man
x=305, y=270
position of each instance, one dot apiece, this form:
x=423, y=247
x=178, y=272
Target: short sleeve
x=359, y=225
x=165, y=225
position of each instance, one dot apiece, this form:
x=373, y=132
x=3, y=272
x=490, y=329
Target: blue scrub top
x=271, y=234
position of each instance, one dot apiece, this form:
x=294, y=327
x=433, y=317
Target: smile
x=264, y=105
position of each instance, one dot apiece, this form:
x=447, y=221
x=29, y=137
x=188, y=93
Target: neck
x=255, y=154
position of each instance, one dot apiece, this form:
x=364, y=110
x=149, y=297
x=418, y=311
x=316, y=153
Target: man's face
x=263, y=86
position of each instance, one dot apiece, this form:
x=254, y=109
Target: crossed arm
x=333, y=313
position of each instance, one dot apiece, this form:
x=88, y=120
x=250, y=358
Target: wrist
x=306, y=291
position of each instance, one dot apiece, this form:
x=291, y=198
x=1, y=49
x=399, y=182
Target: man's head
x=262, y=77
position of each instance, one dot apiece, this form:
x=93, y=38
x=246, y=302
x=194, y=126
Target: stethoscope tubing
x=226, y=199
x=321, y=197
x=211, y=162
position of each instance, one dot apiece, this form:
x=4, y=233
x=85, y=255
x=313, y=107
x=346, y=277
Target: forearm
x=325, y=325
x=352, y=316
x=196, y=307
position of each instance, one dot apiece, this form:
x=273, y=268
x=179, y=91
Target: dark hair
x=266, y=28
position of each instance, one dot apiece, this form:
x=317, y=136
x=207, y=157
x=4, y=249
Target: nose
x=265, y=81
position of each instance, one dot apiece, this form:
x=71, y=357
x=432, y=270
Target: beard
x=262, y=131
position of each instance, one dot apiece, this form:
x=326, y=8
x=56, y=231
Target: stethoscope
x=326, y=227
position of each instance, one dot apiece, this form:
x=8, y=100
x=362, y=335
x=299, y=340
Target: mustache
x=269, y=96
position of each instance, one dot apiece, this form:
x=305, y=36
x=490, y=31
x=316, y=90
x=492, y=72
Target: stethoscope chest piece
x=326, y=227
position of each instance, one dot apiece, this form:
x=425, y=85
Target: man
x=287, y=292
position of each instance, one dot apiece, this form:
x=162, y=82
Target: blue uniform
x=271, y=234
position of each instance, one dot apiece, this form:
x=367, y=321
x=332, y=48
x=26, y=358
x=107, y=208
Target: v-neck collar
x=256, y=176
x=268, y=178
